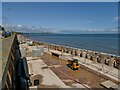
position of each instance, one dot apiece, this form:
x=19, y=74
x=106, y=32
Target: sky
x=61, y=1
x=64, y=17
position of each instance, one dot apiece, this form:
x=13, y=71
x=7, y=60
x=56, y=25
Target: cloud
x=91, y=31
x=96, y=30
x=116, y=18
x=37, y=29
x=87, y=21
x=31, y=29
x=19, y=25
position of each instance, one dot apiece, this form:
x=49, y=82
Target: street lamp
x=10, y=18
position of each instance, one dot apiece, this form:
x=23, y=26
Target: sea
x=106, y=43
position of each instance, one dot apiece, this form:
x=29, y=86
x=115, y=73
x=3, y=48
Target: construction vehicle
x=73, y=64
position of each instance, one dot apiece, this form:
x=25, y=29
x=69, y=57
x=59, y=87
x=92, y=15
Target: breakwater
x=97, y=57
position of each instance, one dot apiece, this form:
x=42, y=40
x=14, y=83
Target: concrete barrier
x=97, y=57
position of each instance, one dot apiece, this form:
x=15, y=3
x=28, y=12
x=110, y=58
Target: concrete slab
x=108, y=84
x=77, y=85
x=56, y=52
x=116, y=87
x=66, y=54
x=49, y=77
x=66, y=58
x=68, y=80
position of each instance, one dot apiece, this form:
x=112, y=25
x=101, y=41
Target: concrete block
x=37, y=52
x=108, y=84
x=111, y=62
x=38, y=47
x=23, y=52
x=88, y=56
x=95, y=58
x=41, y=48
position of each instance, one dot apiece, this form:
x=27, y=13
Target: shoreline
x=35, y=41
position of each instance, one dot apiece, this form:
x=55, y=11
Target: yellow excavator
x=73, y=64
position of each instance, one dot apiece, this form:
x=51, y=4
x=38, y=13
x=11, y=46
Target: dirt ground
x=69, y=76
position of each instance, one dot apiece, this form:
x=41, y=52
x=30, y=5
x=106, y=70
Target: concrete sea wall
x=97, y=57
x=10, y=55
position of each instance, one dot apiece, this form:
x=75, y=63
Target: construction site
x=28, y=64
x=67, y=53
x=49, y=68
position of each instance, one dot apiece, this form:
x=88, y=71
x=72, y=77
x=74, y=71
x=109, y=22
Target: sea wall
x=97, y=57
x=10, y=55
